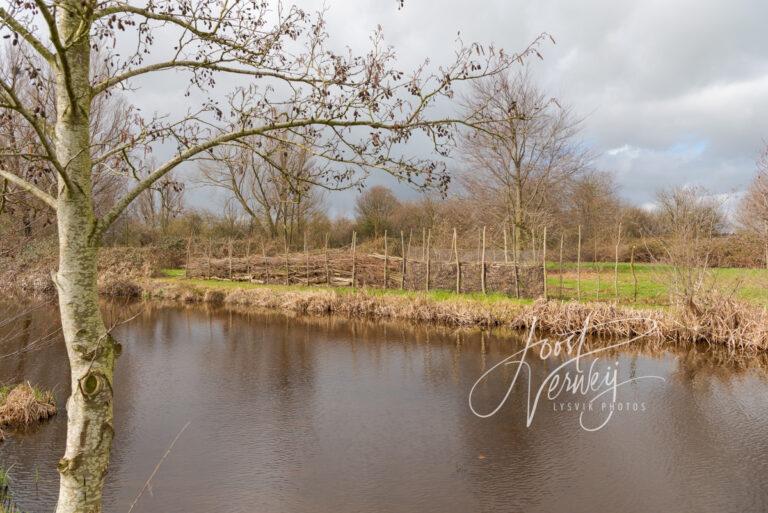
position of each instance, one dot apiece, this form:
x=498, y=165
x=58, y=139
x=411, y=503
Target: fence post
x=578, y=268
x=458, y=264
x=327, y=266
x=248, y=260
x=634, y=276
x=562, y=237
x=429, y=257
x=506, y=254
x=210, y=249
x=266, y=265
x=514, y=263
x=616, y=265
x=189, y=249
x=596, y=266
x=482, y=263
x=229, y=251
x=423, y=244
x=405, y=258
x=410, y=237
x=306, y=256
x=544, y=260
x=386, y=260
x=287, y=268
x=354, y=263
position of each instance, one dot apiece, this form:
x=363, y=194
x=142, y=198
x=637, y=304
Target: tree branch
x=106, y=84
x=40, y=131
x=61, y=53
x=38, y=193
x=187, y=154
x=27, y=35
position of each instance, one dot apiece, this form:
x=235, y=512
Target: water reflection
x=303, y=415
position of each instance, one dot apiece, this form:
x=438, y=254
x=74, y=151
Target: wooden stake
x=386, y=260
x=423, y=243
x=327, y=265
x=287, y=269
x=596, y=265
x=544, y=260
x=458, y=264
x=229, y=251
x=248, y=259
x=210, y=249
x=429, y=258
x=634, y=276
x=616, y=265
x=562, y=238
x=578, y=268
x=405, y=259
x=306, y=257
x=354, y=258
x=514, y=263
x=189, y=251
x=482, y=264
x=266, y=265
x=410, y=238
x=506, y=253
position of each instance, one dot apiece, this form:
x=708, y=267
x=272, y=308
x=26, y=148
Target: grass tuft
x=23, y=405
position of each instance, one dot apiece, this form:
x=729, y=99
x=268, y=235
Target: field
x=653, y=283
x=596, y=283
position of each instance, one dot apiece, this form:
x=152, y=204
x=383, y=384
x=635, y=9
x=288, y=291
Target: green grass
x=652, y=285
x=40, y=394
x=652, y=282
x=6, y=499
x=178, y=275
x=174, y=273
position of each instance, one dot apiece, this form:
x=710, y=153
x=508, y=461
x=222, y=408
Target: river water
x=326, y=415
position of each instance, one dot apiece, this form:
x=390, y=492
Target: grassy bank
x=735, y=324
x=23, y=405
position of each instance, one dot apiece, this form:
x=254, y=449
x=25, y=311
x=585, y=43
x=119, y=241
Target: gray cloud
x=673, y=92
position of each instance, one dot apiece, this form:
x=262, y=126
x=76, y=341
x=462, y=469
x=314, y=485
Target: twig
x=157, y=467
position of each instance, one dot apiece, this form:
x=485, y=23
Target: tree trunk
x=90, y=348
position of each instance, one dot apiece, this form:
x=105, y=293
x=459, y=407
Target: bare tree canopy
x=526, y=152
x=350, y=111
x=753, y=209
x=375, y=210
x=273, y=181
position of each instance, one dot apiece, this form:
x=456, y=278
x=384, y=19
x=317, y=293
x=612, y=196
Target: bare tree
x=110, y=117
x=687, y=219
x=354, y=112
x=375, y=210
x=161, y=203
x=274, y=182
x=592, y=203
x=524, y=155
x=753, y=209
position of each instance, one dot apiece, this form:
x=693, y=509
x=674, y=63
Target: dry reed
x=23, y=406
x=726, y=322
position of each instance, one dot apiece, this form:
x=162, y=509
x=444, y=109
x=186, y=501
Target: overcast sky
x=673, y=91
